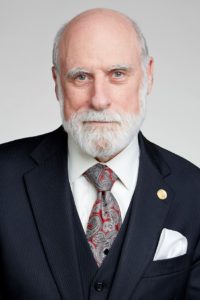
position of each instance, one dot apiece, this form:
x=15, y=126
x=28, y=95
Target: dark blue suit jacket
x=38, y=258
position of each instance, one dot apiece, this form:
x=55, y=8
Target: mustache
x=99, y=116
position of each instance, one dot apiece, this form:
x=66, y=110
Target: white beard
x=103, y=141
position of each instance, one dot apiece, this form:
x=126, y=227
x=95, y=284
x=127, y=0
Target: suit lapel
x=145, y=225
x=51, y=199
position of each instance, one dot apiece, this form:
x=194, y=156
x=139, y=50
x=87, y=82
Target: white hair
x=139, y=34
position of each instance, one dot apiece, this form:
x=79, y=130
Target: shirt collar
x=122, y=164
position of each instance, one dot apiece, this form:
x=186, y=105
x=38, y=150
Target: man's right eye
x=81, y=77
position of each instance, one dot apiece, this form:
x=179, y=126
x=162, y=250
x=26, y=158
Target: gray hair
x=56, y=44
x=140, y=37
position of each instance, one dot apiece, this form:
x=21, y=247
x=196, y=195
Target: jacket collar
x=51, y=143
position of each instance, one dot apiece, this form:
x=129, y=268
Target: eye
x=81, y=77
x=118, y=74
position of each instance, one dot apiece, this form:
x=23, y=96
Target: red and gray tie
x=105, y=218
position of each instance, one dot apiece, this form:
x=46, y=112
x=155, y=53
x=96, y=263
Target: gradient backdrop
x=172, y=29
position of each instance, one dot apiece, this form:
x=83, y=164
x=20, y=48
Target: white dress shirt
x=125, y=165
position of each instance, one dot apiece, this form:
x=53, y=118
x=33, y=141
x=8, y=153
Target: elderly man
x=93, y=210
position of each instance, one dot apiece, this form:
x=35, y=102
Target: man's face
x=100, y=70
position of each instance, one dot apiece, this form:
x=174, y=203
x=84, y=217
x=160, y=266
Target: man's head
x=102, y=72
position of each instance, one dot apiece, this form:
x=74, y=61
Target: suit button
x=99, y=286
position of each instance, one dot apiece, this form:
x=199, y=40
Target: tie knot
x=101, y=176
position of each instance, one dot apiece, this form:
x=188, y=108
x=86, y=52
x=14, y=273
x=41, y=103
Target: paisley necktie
x=105, y=218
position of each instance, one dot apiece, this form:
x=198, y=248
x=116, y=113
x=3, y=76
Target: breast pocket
x=168, y=266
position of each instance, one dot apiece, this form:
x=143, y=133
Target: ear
x=149, y=72
x=54, y=75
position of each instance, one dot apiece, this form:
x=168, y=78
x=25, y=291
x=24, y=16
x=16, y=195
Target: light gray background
x=172, y=29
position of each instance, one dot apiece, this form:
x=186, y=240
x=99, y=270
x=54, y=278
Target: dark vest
x=97, y=282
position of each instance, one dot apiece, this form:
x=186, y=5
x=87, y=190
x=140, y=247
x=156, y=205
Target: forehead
x=99, y=40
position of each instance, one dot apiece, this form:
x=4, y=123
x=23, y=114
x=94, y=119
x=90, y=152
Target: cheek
x=135, y=100
x=128, y=99
x=74, y=100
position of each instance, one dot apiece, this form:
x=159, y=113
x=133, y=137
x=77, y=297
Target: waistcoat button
x=99, y=286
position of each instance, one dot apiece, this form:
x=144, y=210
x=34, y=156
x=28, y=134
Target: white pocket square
x=171, y=244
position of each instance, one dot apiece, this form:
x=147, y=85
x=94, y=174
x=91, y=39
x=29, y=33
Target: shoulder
x=177, y=162
x=16, y=154
x=20, y=146
x=178, y=166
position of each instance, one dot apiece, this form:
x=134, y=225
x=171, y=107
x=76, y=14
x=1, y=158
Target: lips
x=100, y=122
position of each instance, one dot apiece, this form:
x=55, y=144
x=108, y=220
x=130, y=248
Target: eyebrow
x=75, y=71
x=121, y=67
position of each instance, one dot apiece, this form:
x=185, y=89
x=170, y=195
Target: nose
x=100, y=99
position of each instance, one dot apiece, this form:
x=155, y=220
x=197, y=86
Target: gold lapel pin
x=162, y=194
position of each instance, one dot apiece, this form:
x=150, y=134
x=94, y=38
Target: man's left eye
x=118, y=74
